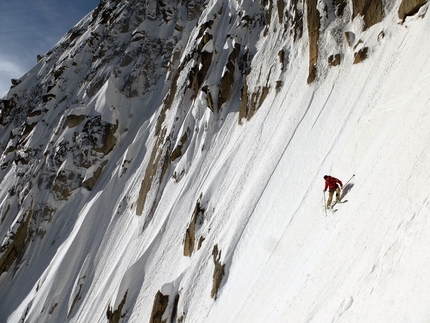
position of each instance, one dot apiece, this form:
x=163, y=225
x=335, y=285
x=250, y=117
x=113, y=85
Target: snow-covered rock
x=164, y=162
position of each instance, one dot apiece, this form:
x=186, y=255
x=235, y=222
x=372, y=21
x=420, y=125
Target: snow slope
x=259, y=185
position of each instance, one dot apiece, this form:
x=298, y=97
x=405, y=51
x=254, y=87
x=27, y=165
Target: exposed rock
x=74, y=120
x=195, y=8
x=177, y=152
x=160, y=304
x=361, y=55
x=251, y=102
x=58, y=72
x=15, y=247
x=27, y=129
x=227, y=80
x=115, y=316
x=205, y=59
x=75, y=300
x=35, y=113
x=268, y=19
x=244, y=104
x=51, y=311
x=15, y=82
x=250, y=106
x=151, y=54
x=74, y=34
x=99, y=134
x=410, y=8
x=282, y=58
x=219, y=272
x=370, y=10
x=295, y=18
x=95, y=85
x=209, y=99
x=90, y=182
x=156, y=169
x=48, y=97
x=313, y=31
x=350, y=38
x=175, y=309
x=6, y=108
x=65, y=182
x=42, y=213
x=281, y=7
x=126, y=60
x=190, y=233
x=201, y=240
x=334, y=60
x=340, y=6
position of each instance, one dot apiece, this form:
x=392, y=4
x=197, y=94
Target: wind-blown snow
x=286, y=258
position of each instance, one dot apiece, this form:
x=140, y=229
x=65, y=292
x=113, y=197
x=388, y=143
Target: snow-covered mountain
x=164, y=162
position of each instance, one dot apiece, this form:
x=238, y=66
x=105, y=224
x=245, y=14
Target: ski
x=338, y=202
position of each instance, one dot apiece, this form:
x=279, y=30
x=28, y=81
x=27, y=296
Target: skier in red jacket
x=332, y=184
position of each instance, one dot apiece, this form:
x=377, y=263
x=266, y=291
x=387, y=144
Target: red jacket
x=331, y=183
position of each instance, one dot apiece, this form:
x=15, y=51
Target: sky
x=29, y=28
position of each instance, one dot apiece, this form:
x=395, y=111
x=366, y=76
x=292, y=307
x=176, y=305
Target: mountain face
x=164, y=163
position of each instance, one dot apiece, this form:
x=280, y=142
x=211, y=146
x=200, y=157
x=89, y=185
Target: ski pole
x=325, y=207
x=349, y=180
x=344, y=185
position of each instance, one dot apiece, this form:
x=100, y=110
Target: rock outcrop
x=116, y=315
x=410, y=7
x=219, y=272
x=160, y=304
x=370, y=10
x=190, y=234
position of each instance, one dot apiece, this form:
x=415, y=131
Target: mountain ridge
x=146, y=130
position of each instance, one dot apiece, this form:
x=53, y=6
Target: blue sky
x=32, y=27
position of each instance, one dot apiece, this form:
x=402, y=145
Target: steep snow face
x=165, y=162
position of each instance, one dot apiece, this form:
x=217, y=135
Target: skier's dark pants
x=330, y=195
